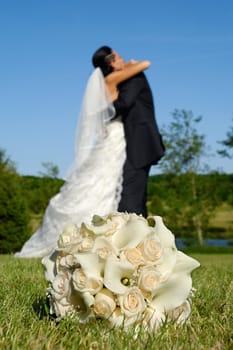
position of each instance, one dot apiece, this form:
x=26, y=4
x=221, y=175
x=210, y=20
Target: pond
x=211, y=242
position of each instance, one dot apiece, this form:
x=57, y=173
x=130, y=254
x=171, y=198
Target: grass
x=25, y=325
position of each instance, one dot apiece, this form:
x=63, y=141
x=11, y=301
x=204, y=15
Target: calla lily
x=167, y=261
x=88, y=299
x=185, y=263
x=115, y=272
x=166, y=237
x=132, y=233
x=49, y=262
x=172, y=293
x=177, y=287
x=90, y=263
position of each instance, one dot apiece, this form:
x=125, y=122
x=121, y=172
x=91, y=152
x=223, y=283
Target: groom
x=144, y=146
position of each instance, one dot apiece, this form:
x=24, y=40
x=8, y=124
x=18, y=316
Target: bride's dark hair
x=101, y=58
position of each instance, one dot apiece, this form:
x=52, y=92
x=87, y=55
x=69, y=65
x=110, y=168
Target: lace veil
x=96, y=111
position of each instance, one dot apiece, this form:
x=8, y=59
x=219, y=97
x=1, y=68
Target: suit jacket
x=135, y=105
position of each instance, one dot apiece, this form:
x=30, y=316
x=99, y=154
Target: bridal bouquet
x=123, y=268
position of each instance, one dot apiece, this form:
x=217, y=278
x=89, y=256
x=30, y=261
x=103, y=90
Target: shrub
x=14, y=214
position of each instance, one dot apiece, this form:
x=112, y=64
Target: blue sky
x=45, y=60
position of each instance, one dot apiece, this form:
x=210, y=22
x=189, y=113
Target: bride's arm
x=130, y=69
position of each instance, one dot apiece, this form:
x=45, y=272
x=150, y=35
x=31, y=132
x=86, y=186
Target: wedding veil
x=96, y=111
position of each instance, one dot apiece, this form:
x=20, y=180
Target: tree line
x=186, y=193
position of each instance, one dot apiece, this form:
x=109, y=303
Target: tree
x=184, y=145
x=227, y=143
x=185, y=148
x=14, y=214
x=51, y=170
x=6, y=163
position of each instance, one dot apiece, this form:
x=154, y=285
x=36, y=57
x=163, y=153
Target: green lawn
x=23, y=325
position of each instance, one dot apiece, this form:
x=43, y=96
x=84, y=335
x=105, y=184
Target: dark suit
x=144, y=145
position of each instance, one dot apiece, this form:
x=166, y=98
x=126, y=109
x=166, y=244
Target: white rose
x=134, y=256
x=104, y=248
x=68, y=261
x=149, y=279
x=60, y=307
x=132, y=302
x=104, y=303
x=151, y=248
x=84, y=283
x=61, y=285
x=69, y=234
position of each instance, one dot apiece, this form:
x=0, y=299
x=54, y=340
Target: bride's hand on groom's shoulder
x=129, y=63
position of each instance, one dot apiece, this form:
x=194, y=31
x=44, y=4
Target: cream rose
x=86, y=244
x=61, y=285
x=84, y=283
x=151, y=248
x=69, y=235
x=149, y=279
x=61, y=307
x=67, y=261
x=104, y=303
x=132, y=302
x=134, y=256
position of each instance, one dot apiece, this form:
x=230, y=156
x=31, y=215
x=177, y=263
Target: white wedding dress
x=94, y=183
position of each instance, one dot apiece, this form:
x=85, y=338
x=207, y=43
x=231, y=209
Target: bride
x=94, y=182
